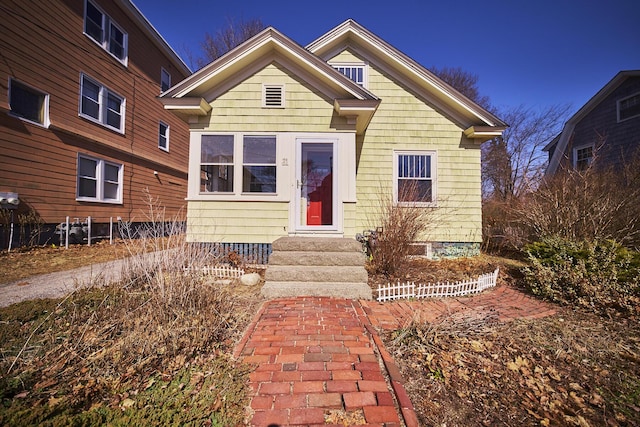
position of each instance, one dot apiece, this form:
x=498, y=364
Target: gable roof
x=193, y=95
x=562, y=140
x=450, y=100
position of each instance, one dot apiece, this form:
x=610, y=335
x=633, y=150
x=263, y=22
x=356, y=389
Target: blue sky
x=537, y=53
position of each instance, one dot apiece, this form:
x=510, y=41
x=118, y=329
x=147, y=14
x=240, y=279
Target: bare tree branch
x=225, y=39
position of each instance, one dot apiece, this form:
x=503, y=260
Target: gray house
x=605, y=130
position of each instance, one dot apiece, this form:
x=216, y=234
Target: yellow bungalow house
x=293, y=141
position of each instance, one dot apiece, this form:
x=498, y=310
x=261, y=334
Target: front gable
x=351, y=42
x=195, y=95
x=337, y=144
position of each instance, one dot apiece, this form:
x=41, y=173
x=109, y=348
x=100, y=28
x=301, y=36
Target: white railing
x=222, y=271
x=408, y=290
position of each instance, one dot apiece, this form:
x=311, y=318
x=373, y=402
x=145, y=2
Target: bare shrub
x=588, y=205
x=159, y=323
x=400, y=225
x=501, y=230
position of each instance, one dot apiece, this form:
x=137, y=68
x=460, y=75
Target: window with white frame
x=248, y=159
x=629, y=107
x=415, y=178
x=259, y=164
x=163, y=136
x=106, y=33
x=99, y=104
x=216, y=164
x=582, y=157
x=28, y=103
x=165, y=80
x=356, y=72
x=99, y=180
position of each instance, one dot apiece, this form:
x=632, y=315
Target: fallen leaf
x=477, y=346
x=53, y=401
x=127, y=403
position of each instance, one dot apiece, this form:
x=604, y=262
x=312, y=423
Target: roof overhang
x=449, y=99
x=359, y=110
x=267, y=43
x=143, y=23
x=188, y=106
x=484, y=133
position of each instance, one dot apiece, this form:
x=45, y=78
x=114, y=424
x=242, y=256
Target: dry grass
x=571, y=369
x=26, y=262
x=153, y=349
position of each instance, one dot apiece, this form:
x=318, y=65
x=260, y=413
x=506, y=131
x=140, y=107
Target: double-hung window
x=216, y=164
x=163, y=136
x=165, y=80
x=415, y=178
x=629, y=107
x=99, y=180
x=248, y=159
x=28, y=103
x=101, y=28
x=582, y=157
x=259, y=164
x=100, y=104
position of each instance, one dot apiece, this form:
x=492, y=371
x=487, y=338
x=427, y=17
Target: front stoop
x=309, y=266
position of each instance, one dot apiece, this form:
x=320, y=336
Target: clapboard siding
x=406, y=122
x=237, y=222
x=46, y=48
x=240, y=108
x=615, y=141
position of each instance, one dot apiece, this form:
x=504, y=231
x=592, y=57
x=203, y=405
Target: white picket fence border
x=222, y=271
x=408, y=290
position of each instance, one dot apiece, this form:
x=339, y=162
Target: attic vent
x=273, y=96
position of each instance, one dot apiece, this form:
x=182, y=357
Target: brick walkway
x=319, y=357
x=504, y=302
x=315, y=355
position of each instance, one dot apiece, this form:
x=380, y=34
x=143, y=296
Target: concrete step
x=328, y=289
x=316, y=258
x=316, y=244
x=312, y=273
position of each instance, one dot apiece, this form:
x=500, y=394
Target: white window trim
x=103, y=94
x=106, y=22
x=618, y=107
x=100, y=181
x=434, y=177
x=266, y=87
x=160, y=124
x=238, y=165
x=164, y=72
x=45, y=119
x=363, y=65
x=243, y=164
x=581, y=147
